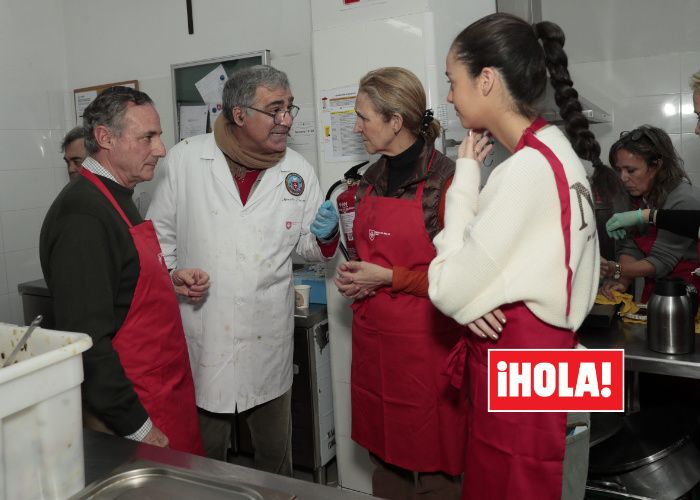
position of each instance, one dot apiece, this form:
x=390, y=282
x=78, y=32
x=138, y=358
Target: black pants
x=270, y=427
x=395, y=483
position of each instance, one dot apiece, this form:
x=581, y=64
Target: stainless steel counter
x=104, y=453
x=638, y=357
x=645, y=441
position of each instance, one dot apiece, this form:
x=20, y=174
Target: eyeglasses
x=278, y=116
x=637, y=134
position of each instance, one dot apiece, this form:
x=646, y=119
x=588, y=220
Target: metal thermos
x=671, y=317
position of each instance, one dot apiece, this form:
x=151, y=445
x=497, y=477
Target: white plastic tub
x=41, y=440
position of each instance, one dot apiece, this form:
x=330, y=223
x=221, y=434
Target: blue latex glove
x=325, y=224
x=617, y=224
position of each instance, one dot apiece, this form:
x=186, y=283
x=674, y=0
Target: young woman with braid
x=517, y=262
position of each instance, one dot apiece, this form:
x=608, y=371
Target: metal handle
x=22, y=341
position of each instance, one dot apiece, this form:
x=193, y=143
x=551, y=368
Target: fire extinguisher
x=346, y=208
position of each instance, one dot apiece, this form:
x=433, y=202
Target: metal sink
x=155, y=482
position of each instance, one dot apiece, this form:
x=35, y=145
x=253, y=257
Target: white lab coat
x=240, y=338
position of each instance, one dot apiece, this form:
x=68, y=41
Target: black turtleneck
x=400, y=167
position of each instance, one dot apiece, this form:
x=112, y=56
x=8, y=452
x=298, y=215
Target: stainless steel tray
x=169, y=483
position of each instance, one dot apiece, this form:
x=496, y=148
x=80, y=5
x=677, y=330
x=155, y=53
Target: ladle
x=22, y=342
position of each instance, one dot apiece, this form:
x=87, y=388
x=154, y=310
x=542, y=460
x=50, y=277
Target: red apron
x=151, y=342
x=516, y=455
x=683, y=269
x=403, y=407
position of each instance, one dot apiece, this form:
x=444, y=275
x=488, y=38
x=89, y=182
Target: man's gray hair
x=241, y=86
x=73, y=135
x=108, y=109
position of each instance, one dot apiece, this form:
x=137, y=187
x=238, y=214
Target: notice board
x=84, y=96
x=191, y=112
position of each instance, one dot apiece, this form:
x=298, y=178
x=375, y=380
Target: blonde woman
x=404, y=410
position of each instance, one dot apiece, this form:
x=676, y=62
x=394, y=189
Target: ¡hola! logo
x=556, y=380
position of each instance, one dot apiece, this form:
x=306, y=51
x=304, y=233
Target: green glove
x=619, y=222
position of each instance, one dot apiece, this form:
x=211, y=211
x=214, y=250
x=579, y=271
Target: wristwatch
x=618, y=271
x=652, y=216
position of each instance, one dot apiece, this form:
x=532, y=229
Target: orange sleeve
x=406, y=281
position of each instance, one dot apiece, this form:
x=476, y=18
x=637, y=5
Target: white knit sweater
x=505, y=244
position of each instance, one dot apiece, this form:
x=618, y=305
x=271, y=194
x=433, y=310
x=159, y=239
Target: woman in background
x=653, y=174
x=404, y=410
x=525, y=244
x=683, y=222
x=678, y=219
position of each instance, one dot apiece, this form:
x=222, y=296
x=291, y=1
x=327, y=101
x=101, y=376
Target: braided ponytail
x=575, y=123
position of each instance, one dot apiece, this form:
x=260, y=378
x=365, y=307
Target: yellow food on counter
x=629, y=309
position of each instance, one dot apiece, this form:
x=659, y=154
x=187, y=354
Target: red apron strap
x=529, y=139
x=534, y=127
x=100, y=185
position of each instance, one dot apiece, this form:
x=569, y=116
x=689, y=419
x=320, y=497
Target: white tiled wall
x=143, y=38
x=50, y=55
x=32, y=89
x=652, y=90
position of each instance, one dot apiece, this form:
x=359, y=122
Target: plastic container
x=41, y=439
x=315, y=277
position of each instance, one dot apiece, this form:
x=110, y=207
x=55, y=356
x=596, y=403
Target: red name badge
x=556, y=380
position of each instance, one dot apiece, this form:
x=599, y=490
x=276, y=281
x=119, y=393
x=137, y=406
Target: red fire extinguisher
x=346, y=208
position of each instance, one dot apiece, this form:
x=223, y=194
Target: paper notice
x=338, y=117
x=82, y=101
x=303, y=133
x=193, y=121
x=211, y=87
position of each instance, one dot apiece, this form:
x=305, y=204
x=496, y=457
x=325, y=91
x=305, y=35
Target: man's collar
x=96, y=168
